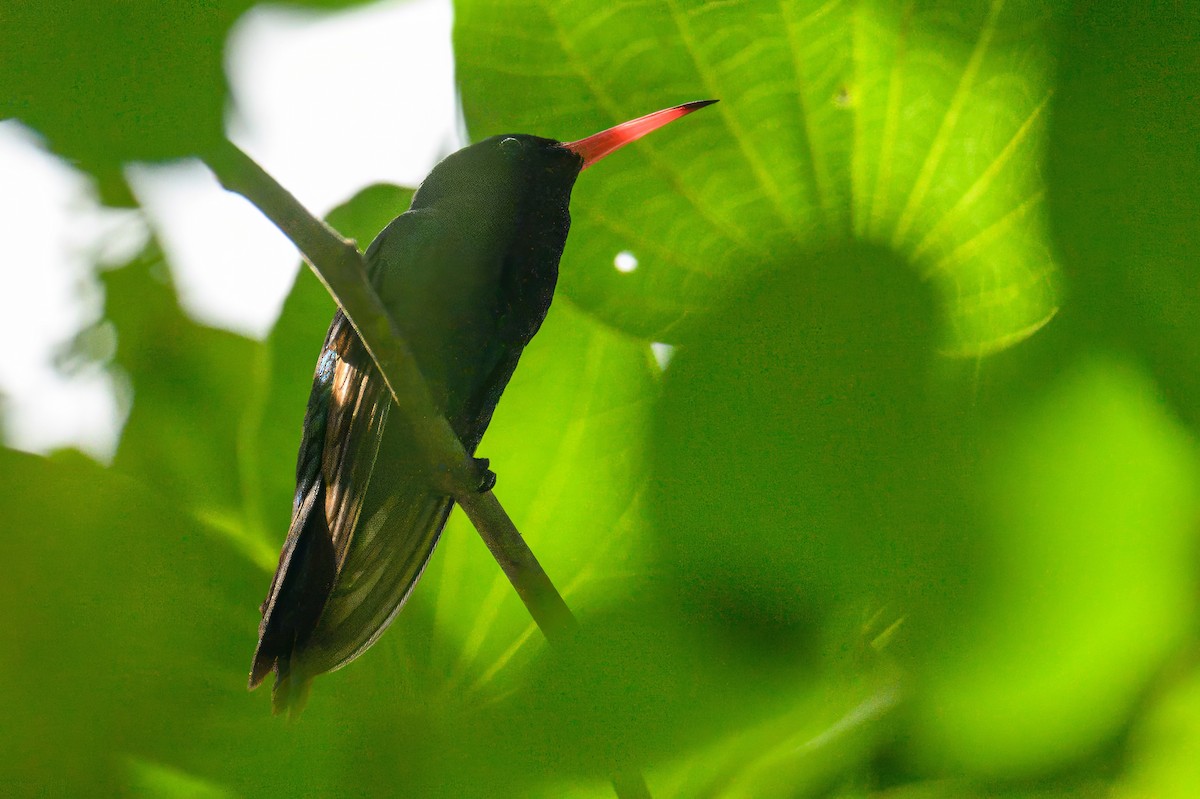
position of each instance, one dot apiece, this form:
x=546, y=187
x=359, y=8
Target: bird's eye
x=510, y=145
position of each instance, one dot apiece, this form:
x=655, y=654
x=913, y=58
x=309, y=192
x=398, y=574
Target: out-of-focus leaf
x=638, y=684
x=121, y=622
x=1086, y=576
x=646, y=683
x=963, y=789
x=108, y=83
x=270, y=437
x=190, y=390
x=916, y=125
x=128, y=632
x=1124, y=170
x=1164, y=756
x=835, y=726
x=749, y=492
x=799, y=467
x=155, y=781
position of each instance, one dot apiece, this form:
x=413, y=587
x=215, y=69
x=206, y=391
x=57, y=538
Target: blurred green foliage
x=112, y=82
x=912, y=512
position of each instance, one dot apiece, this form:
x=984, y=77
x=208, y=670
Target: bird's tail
x=290, y=693
x=307, y=568
x=391, y=549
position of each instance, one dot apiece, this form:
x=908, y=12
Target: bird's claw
x=476, y=476
x=487, y=478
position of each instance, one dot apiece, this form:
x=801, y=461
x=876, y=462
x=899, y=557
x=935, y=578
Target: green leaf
x=163, y=782
x=1125, y=184
x=640, y=685
x=1085, y=579
x=189, y=384
x=918, y=126
x=128, y=635
x=787, y=447
x=125, y=627
x=566, y=444
x=108, y=83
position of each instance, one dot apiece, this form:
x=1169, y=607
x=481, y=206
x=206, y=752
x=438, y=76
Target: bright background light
x=625, y=261
x=327, y=103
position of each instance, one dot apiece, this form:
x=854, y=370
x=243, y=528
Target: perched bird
x=467, y=274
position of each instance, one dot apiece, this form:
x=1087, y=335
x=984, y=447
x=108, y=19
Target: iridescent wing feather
x=344, y=423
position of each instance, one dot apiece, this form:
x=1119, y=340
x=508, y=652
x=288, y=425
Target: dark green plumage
x=468, y=287
x=467, y=274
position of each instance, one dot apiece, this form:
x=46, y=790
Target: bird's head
x=507, y=171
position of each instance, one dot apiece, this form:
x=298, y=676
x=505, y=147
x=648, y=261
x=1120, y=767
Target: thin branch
x=341, y=268
x=545, y=604
x=339, y=265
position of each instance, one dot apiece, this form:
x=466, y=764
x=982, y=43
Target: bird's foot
x=475, y=476
x=487, y=478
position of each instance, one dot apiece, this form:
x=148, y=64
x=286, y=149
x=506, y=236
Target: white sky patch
x=663, y=353
x=625, y=261
x=54, y=229
x=231, y=266
x=328, y=103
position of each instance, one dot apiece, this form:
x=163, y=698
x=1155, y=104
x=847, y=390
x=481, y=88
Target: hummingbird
x=468, y=275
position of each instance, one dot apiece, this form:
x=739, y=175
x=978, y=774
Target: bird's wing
x=401, y=517
x=391, y=549
x=382, y=519
x=354, y=428
x=344, y=423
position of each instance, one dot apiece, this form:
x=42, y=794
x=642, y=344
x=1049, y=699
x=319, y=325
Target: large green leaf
x=1085, y=573
x=122, y=632
x=567, y=444
x=788, y=445
x=915, y=125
